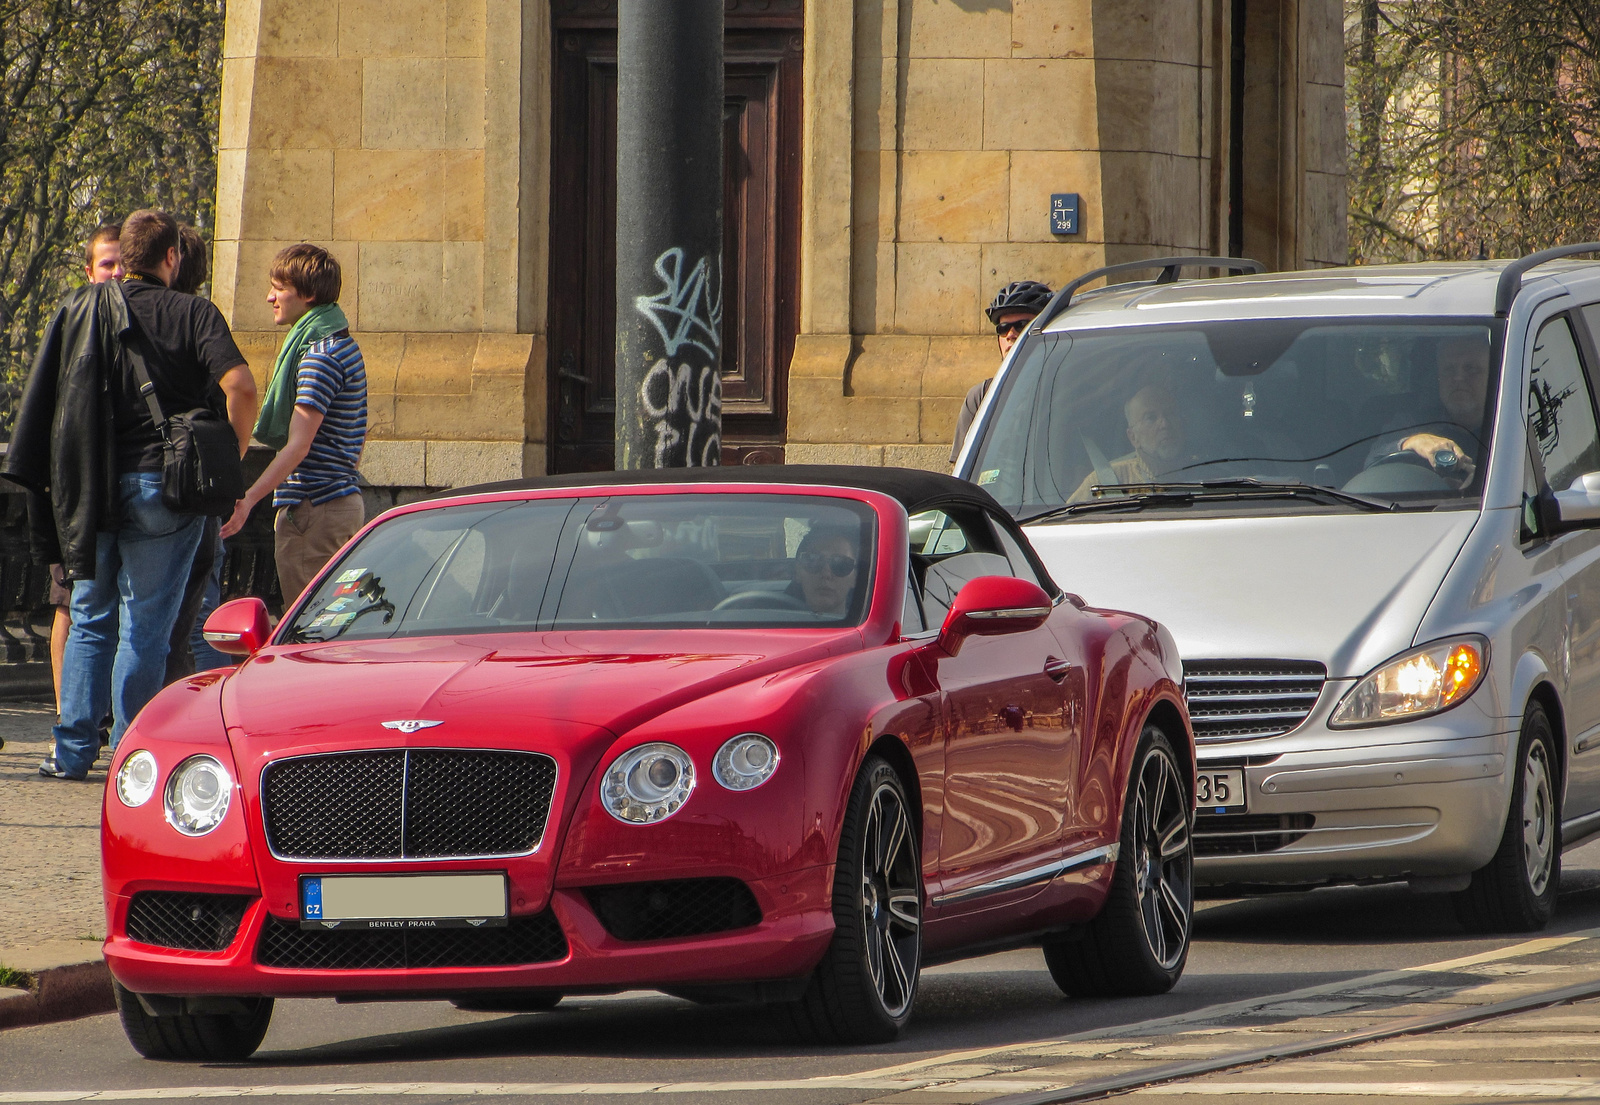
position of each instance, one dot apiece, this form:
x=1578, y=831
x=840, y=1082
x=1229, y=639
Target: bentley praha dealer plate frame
x=401, y=902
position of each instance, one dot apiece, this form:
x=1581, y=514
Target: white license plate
x=403, y=901
x=1219, y=790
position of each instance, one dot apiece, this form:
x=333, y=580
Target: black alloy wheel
x=1516, y=890
x=1139, y=942
x=864, y=988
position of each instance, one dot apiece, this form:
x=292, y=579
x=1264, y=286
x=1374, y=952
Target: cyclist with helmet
x=1013, y=307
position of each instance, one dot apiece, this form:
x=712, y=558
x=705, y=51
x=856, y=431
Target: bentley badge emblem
x=411, y=725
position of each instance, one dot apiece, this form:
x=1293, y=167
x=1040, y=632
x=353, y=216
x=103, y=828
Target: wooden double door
x=761, y=223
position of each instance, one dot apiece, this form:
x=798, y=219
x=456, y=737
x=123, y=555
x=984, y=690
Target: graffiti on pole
x=685, y=398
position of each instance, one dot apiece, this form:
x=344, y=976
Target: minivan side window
x=1561, y=422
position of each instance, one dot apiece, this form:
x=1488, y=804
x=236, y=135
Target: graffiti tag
x=680, y=397
x=688, y=309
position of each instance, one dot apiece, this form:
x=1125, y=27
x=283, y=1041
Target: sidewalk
x=51, y=917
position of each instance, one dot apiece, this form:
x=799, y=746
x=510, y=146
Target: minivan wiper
x=1138, y=496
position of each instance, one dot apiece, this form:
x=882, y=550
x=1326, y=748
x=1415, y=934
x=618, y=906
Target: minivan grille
x=420, y=803
x=1250, y=699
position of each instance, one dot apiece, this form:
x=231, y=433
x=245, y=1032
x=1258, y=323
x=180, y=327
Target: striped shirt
x=333, y=381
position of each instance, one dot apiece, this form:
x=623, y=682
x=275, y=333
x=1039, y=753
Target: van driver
x=1155, y=430
x=1448, y=439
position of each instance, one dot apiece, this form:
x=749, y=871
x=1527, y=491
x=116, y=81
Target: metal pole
x=669, y=233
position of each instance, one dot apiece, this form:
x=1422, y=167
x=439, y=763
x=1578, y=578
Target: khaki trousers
x=305, y=537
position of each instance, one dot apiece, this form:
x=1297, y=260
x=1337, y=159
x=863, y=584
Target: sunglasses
x=1012, y=328
x=812, y=563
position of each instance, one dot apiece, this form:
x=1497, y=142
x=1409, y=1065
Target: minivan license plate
x=1220, y=790
x=403, y=901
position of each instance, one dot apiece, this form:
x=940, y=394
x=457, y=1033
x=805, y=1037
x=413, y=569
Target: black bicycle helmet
x=1019, y=295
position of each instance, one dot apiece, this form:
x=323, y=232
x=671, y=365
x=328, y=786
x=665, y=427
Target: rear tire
x=212, y=1037
x=1516, y=890
x=863, y=989
x=1139, y=942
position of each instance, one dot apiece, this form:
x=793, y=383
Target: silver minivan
x=1366, y=502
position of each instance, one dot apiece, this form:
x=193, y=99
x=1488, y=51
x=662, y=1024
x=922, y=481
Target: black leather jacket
x=63, y=447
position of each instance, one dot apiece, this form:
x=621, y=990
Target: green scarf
x=272, y=424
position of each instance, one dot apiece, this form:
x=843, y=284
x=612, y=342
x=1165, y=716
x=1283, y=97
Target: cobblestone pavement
x=53, y=827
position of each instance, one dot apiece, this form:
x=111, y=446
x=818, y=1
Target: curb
x=60, y=994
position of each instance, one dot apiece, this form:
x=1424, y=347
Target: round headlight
x=647, y=784
x=746, y=761
x=136, y=782
x=198, y=795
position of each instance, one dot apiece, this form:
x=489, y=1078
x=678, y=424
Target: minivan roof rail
x=1169, y=267
x=1511, y=276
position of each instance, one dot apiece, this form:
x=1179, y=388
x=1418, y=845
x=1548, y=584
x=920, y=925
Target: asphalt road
x=1243, y=949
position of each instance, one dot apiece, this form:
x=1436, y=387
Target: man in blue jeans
x=126, y=555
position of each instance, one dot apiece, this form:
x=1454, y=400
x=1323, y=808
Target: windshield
x=1397, y=412
x=663, y=561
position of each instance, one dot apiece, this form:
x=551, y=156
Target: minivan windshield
x=675, y=561
x=1291, y=414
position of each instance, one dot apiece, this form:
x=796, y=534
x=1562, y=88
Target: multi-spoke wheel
x=864, y=987
x=1516, y=890
x=1139, y=942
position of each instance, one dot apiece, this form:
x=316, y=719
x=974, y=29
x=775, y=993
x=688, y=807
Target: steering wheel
x=762, y=600
x=1403, y=456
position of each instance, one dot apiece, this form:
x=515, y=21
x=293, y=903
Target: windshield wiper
x=1138, y=496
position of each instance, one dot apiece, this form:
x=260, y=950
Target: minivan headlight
x=1415, y=684
x=647, y=784
x=198, y=795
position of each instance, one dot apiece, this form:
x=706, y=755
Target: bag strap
x=141, y=371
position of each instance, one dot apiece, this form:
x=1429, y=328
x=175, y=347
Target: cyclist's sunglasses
x=812, y=563
x=1012, y=328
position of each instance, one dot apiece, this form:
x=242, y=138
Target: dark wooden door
x=761, y=223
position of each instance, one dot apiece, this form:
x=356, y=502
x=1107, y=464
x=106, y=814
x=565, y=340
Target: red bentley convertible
x=783, y=735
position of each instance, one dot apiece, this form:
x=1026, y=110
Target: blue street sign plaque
x=1064, y=213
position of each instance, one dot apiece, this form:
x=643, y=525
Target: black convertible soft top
x=915, y=489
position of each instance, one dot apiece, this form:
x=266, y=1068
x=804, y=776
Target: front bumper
x=1422, y=798
x=790, y=939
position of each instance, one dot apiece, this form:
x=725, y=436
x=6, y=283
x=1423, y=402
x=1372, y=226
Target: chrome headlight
x=647, y=784
x=1415, y=684
x=198, y=795
x=136, y=781
x=745, y=762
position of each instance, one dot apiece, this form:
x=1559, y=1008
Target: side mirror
x=1578, y=507
x=238, y=627
x=991, y=605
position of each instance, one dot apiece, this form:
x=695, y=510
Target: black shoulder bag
x=200, y=470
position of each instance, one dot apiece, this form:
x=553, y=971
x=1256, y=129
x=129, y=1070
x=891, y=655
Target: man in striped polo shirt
x=315, y=415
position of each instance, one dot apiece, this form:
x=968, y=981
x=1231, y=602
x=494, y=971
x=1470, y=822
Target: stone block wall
x=367, y=126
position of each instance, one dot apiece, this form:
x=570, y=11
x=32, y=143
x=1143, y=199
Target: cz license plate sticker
x=403, y=902
x=1219, y=790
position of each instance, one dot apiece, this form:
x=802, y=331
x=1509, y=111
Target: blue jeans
x=116, y=656
x=206, y=657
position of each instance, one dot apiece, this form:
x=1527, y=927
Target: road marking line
x=1544, y=1087
x=503, y=1089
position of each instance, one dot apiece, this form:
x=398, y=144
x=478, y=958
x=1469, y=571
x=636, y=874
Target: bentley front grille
x=420, y=803
x=536, y=939
x=1250, y=699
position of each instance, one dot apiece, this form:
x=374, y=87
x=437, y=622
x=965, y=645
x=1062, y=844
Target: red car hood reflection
x=318, y=694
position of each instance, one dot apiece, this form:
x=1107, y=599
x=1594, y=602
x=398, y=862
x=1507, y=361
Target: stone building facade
x=891, y=164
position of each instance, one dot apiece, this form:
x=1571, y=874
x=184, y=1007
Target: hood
x=305, y=695
x=1349, y=590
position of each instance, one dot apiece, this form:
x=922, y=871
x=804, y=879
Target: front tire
x=1516, y=890
x=1139, y=942
x=209, y=1037
x=863, y=989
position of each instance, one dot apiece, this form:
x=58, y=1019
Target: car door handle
x=1057, y=668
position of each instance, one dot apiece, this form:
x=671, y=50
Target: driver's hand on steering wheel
x=1443, y=456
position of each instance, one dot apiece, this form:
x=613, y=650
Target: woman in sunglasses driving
x=825, y=570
